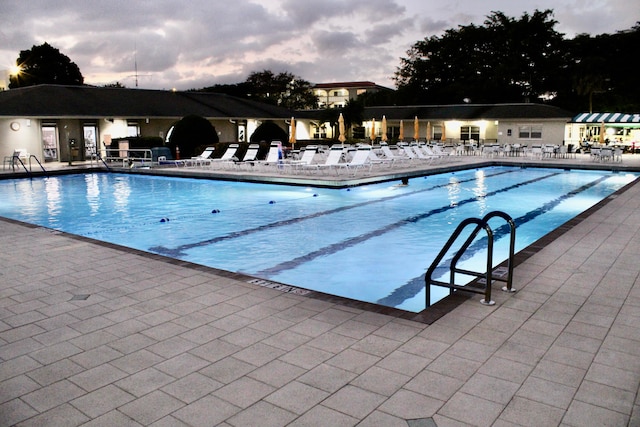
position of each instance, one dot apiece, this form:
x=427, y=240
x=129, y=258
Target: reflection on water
x=121, y=193
x=93, y=193
x=52, y=192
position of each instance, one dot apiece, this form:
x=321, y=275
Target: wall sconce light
x=15, y=126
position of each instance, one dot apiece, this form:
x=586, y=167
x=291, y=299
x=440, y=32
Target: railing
x=37, y=161
x=16, y=159
x=129, y=157
x=480, y=224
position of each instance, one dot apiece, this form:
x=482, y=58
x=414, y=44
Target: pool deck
x=98, y=335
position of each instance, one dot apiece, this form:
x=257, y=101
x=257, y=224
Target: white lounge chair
x=274, y=156
x=361, y=159
x=202, y=159
x=332, y=162
x=388, y=154
x=420, y=154
x=306, y=159
x=250, y=155
x=227, y=157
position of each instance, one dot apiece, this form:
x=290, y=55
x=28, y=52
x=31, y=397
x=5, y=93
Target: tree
x=45, y=64
x=599, y=76
x=283, y=89
x=506, y=60
x=190, y=133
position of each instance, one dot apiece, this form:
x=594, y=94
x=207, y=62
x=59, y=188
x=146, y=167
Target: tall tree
x=283, y=89
x=506, y=60
x=600, y=74
x=45, y=64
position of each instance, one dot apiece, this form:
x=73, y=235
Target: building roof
x=349, y=85
x=606, y=118
x=468, y=112
x=58, y=101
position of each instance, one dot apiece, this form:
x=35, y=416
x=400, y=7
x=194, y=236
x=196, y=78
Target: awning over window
x=606, y=118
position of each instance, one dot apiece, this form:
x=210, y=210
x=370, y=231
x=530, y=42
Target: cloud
x=203, y=42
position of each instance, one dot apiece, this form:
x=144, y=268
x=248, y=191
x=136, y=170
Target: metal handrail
x=480, y=224
x=37, y=161
x=129, y=155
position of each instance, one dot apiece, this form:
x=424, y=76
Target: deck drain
x=278, y=286
x=80, y=297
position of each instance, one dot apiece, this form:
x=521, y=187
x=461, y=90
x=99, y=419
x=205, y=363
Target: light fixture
x=15, y=126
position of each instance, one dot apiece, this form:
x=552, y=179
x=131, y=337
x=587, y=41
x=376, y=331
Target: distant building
x=4, y=79
x=336, y=95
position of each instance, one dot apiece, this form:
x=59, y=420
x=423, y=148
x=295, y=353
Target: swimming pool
x=371, y=243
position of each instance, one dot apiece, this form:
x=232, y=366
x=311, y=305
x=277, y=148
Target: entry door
x=90, y=137
x=50, y=142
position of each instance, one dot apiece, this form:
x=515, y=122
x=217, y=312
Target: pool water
x=370, y=243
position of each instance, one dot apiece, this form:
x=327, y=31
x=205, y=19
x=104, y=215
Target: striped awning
x=606, y=118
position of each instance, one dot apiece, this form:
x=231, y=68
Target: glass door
x=90, y=132
x=50, y=142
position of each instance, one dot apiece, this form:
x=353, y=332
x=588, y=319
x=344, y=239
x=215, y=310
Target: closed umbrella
x=416, y=129
x=444, y=133
x=292, y=136
x=341, y=130
x=373, y=130
x=428, y=131
x=602, y=132
x=384, y=128
x=401, y=132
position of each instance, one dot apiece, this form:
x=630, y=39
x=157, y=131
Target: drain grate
x=278, y=286
x=80, y=297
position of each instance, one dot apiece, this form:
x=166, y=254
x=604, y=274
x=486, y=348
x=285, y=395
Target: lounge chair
x=227, y=156
x=360, y=159
x=202, y=159
x=250, y=155
x=388, y=154
x=332, y=161
x=306, y=159
x=274, y=156
x=374, y=159
x=421, y=155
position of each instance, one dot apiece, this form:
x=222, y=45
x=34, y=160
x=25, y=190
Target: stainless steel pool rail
x=16, y=159
x=476, y=286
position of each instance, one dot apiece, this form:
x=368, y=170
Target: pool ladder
x=480, y=224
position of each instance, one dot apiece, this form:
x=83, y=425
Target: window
x=133, y=129
x=470, y=132
x=530, y=132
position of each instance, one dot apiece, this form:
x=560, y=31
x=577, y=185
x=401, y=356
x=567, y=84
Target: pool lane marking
x=414, y=286
x=179, y=250
x=339, y=246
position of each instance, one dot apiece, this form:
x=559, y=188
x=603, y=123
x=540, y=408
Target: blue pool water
x=371, y=243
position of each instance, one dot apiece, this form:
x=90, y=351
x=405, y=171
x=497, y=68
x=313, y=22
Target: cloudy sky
x=199, y=43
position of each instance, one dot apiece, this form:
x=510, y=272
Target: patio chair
x=274, y=156
x=250, y=156
x=227, y=156
x=332, y=161
x=388, y=153
x=360, y=159
x=202, y=159
x=306, y=159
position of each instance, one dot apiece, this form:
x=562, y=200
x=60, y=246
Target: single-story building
x=521, y=123
x=64, y=123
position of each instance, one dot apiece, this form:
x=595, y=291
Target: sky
x=176, y=44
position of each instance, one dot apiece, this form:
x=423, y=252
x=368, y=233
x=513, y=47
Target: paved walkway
x=96, y=335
